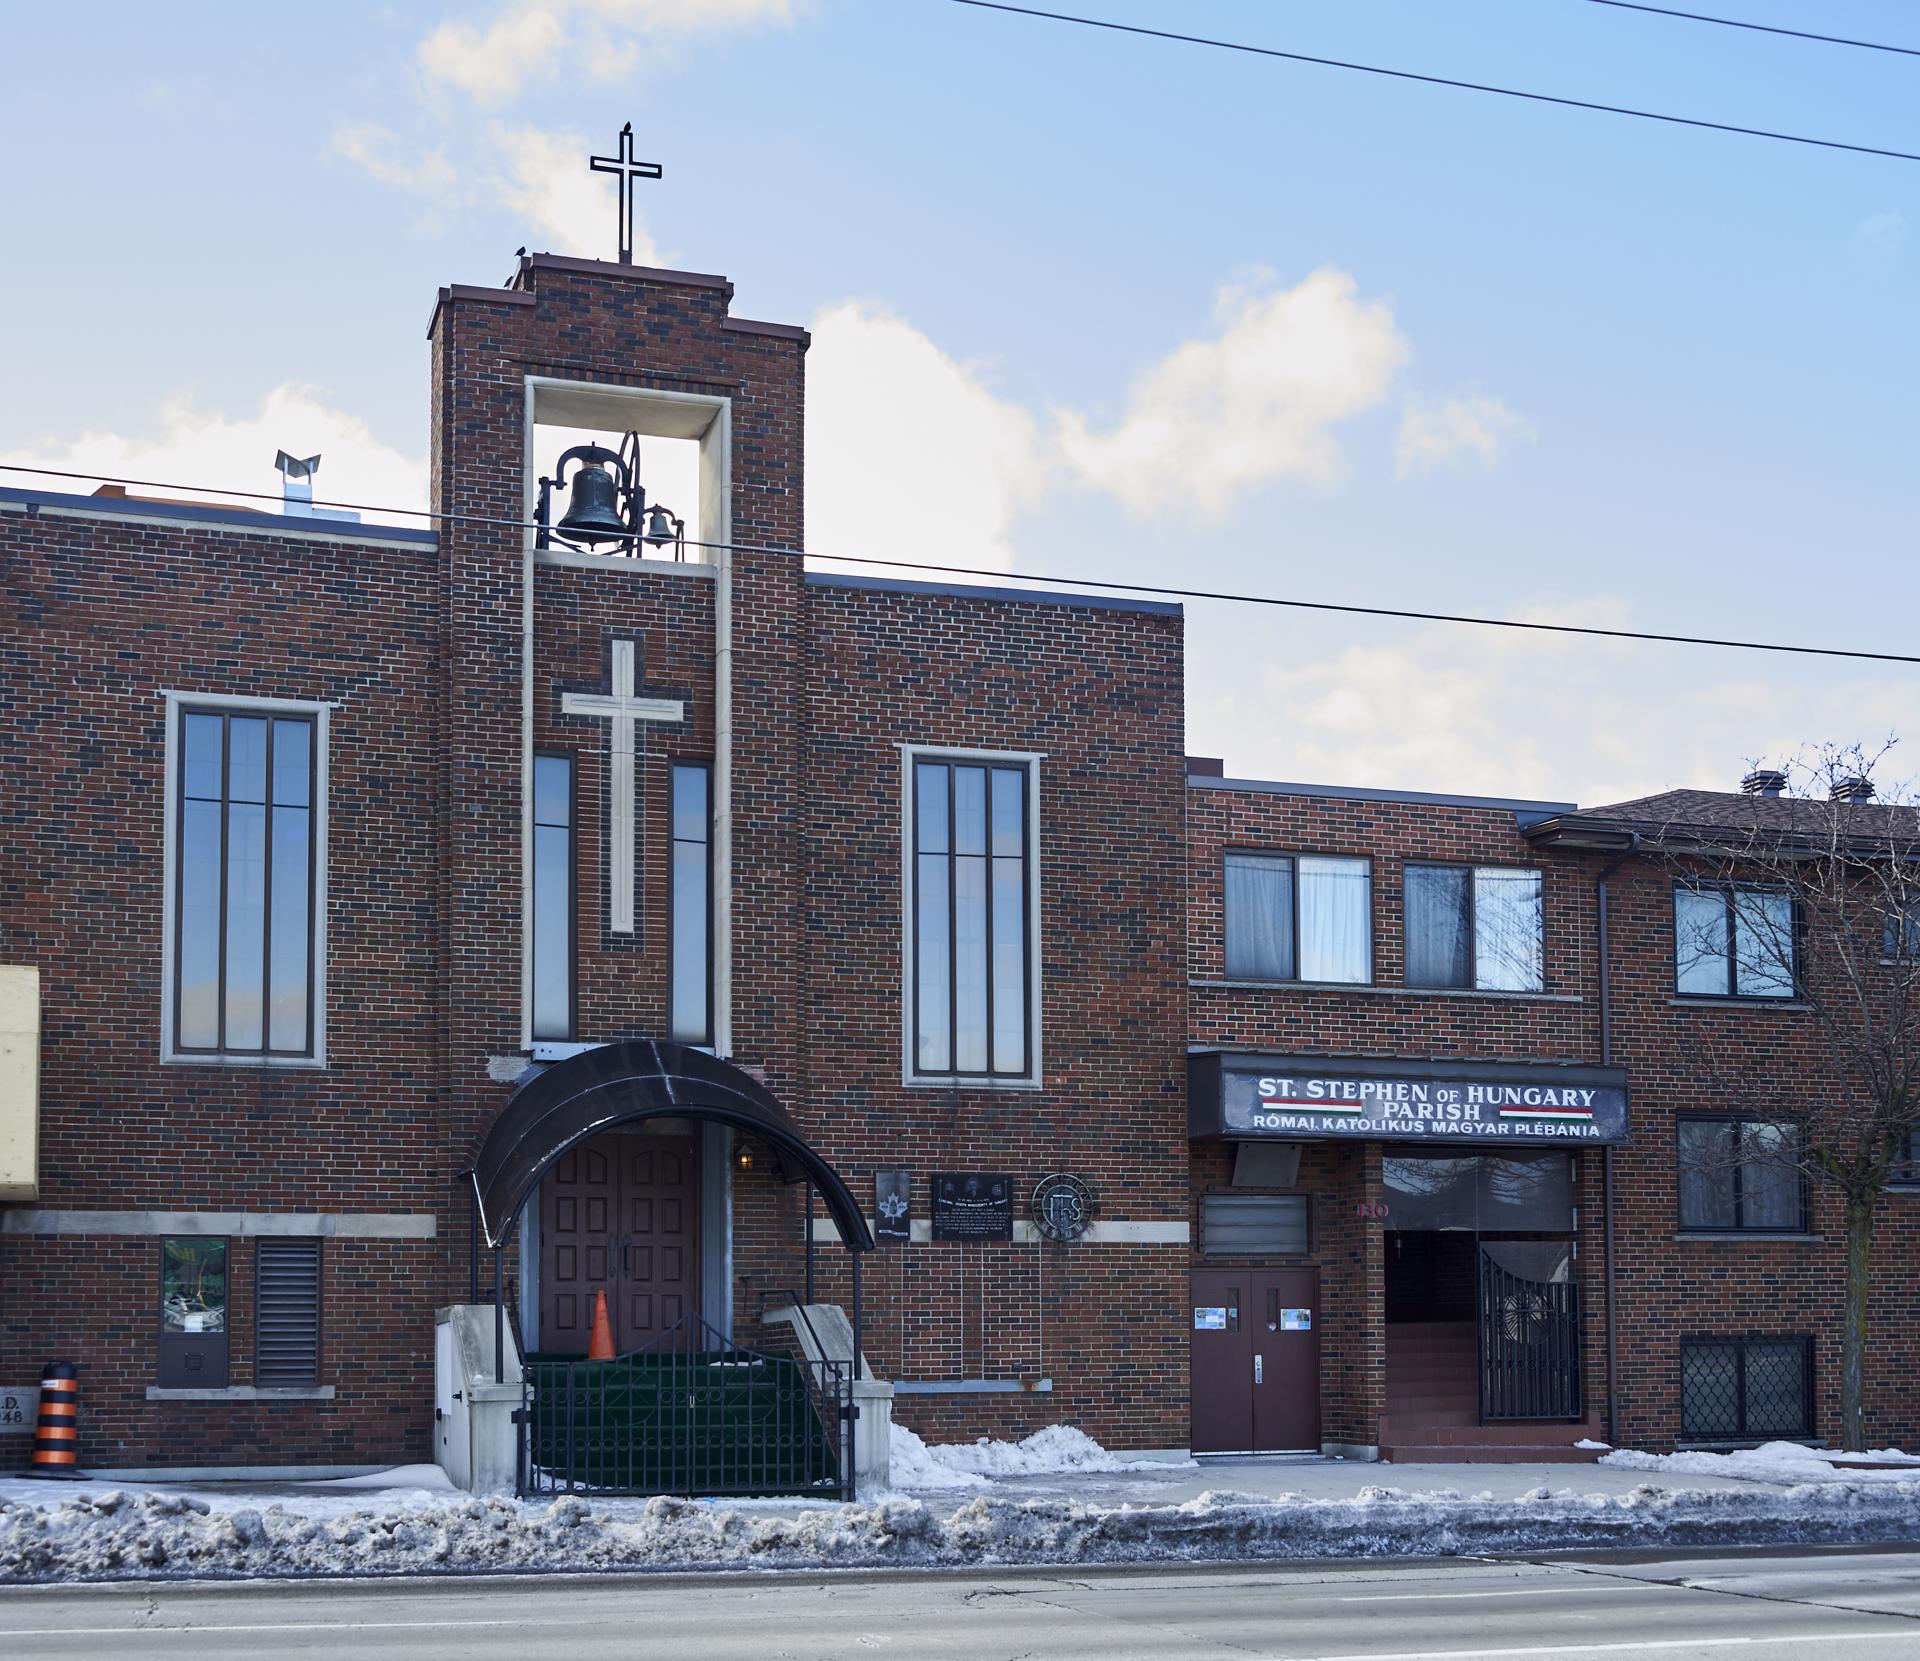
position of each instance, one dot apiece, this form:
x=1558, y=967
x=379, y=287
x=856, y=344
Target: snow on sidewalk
x=1786, y=1463
x=407, y=1522
x=114, y=1535
x=1058, y=1450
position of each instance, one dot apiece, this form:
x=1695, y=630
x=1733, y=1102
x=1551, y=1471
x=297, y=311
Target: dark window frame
x=1293, y=856
x=167, y=1372
x=267, y=1242
x=1735, y=1168
x=1739, y=1345
x=1309, y=1208
x=1472, y=868
x=1900, y=940
x=674, y=924
x=1727, y=892
x=1905, y=1175
x=183, y=710
x=988, y=762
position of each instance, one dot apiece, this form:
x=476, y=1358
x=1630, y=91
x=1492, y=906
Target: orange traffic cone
x=600, y=1345
x=56, y=1452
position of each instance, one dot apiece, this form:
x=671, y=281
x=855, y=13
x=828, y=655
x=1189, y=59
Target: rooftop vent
x=1764, y=781
x=296, y=482
x=1856, y=787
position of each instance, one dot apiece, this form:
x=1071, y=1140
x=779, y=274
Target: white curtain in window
x=1700, y=941
x=1336, y=933
x=1259, y=896
x=1762, y=944
x=1506, y=930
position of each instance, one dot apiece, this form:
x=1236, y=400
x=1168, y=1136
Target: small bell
x=593, y=512
x=661, y=528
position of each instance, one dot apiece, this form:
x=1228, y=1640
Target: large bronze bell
x=593, y=511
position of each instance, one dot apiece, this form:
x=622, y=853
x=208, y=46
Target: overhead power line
x=1759, y=28
x=1160, y=591
x=1432, y=80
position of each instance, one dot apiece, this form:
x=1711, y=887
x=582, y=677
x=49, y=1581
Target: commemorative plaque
x=972, y=1205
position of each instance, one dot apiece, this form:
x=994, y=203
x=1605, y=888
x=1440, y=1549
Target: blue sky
x=1145, y=311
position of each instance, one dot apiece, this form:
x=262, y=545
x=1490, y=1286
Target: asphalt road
x=1837, y=1605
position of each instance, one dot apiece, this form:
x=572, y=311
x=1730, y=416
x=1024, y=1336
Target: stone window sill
x=1732, y=1235
x=1736, y=1003
x=1381, y=990
x=242, y=1392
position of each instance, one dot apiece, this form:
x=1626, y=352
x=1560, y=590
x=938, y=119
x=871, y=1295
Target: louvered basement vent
x=287, y=1314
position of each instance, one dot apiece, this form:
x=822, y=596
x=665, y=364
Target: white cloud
x=1511, y=713
x=218, y=453
x=544, y=179
x=1257, y=401
x=382, y=152
x=909, y=454
x=1887, y=230
x=1440, y=435
x=529, y=39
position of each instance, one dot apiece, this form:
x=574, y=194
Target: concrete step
x=1511, y=1453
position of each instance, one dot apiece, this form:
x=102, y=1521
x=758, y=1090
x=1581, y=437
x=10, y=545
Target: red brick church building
x=572, y=898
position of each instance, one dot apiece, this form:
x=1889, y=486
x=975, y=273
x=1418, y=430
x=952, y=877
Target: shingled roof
x=1693, y=815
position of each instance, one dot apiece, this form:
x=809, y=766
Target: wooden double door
x=1256, y=1360
x=620, y=1214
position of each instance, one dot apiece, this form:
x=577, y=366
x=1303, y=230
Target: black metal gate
x=692, y=1413
x=1529, y=1336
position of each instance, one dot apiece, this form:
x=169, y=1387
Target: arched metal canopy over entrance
x=624, y=1083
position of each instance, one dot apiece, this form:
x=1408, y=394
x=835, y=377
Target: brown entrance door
x=619, y=1214
x=1255, y=1355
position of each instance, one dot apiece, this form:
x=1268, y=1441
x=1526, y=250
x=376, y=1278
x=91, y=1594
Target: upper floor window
x=971, y=927
x=550, y=928
x=1475, y=926
x=1903, y=929
x=1741, y=1176
x=1733, y=942
x=246, y=844
x=690, y=1012
x=1304, y=917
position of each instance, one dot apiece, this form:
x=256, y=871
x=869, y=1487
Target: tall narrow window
x=972, y=891
x=1474, y=926
x=247, y=858
x=553, y=896
x=691, y=1001
x=1305, y=917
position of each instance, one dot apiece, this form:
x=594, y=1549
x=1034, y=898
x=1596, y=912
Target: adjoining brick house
x=353, y=859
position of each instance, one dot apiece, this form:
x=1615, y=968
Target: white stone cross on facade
x=622, y=709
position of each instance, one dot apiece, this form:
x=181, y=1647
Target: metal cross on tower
x=629, y=170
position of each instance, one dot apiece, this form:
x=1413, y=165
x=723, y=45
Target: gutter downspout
x=1606, y=1153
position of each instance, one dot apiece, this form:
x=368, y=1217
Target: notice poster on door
x=1211, y=1319
x=1296, y=1320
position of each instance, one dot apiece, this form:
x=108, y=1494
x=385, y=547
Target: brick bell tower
x=588, y=680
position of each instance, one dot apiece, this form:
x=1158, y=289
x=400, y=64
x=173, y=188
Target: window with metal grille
x=286, y=1312
x=1253, y=1225
x=1746, y=1389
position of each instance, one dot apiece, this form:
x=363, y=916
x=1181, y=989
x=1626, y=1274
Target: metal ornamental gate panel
x=1529, y=1335
x=691, y=1413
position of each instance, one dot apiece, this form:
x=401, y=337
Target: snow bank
x=112, y=1535
x=1057, y=1450
x=1787, y=1463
